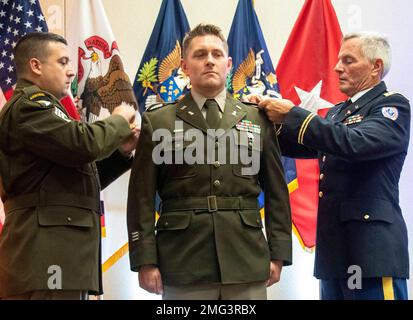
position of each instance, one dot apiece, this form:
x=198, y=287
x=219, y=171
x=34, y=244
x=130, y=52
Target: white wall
x=132, y=22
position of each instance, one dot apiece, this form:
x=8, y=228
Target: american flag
x=17, y=18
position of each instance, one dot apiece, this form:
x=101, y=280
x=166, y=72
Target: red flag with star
x=306, y=76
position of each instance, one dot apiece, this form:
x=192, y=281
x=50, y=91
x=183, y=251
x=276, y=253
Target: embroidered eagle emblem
x=108, y=91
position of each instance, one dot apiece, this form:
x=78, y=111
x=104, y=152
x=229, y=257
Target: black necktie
x=342, y=107
x=212, y=113
x=345, y=104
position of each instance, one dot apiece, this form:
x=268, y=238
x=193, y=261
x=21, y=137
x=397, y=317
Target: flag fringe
x=300, y=240
x=111, y=261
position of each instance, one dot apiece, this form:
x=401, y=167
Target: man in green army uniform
x=49, y=182
x=208, y=242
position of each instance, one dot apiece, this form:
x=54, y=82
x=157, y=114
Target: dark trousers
x=385, y=288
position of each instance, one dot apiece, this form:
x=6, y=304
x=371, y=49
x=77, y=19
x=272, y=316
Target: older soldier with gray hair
x=361, y=244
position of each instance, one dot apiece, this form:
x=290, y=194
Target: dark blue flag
x=159, y=77
x=17, y=18
x=253, y=71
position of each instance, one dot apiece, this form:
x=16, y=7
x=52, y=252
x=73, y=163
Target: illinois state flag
x=100, y=85
x=306, y=76
x=101, y=82
x=159, y=77
x=253, y=71
x=17, y=18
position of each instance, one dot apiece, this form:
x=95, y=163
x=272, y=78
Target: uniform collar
x=359, y=94
x=361, y=102
x=200, y=99
x=23, y=83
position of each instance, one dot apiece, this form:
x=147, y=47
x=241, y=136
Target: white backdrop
x=132, y=22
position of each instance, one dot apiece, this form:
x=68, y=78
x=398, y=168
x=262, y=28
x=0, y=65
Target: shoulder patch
x=41, y=98
x=390, y=93
x=44, y=102
x=37, y=95
x=390, y=112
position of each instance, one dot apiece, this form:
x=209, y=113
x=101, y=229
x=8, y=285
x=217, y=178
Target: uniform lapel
x=188, y=111
x=233, y=113
x=360, y=103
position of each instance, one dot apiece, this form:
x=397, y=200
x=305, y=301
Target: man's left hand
x=276, y=109
x=275, y=272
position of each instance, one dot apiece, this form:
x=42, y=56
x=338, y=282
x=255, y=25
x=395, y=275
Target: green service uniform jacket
x=50, y=189
x=210, y=228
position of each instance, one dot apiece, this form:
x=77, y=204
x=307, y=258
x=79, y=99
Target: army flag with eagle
x=253, y=71
x=101, y=82
x=159, y=77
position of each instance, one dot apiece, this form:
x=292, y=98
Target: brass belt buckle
x=212, y=204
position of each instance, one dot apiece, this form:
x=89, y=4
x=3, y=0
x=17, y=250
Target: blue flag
x=159, y=77
x=253, y=71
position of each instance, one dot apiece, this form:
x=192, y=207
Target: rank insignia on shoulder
x=155, y=106
x=61, y=114
x=248, y=126
x=158, y=105
x=390, y=93
x=390, y=112
x=252, y=104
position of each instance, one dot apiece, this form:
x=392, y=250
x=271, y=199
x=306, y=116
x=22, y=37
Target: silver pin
x=237, y=106
x=191, y=113
x=184, y=107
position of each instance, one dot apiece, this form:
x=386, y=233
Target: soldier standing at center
x=208, y=242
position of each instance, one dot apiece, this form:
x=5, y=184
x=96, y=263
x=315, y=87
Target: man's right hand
x=150, y=279
x=125, y=110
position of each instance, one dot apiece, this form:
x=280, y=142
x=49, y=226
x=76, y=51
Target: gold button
x=69, y=219
x=166, y=224
x=366, y=217
x=217, y=183
x=217, y=164
x=324, y=159
x=322, y=176
x=320, y=194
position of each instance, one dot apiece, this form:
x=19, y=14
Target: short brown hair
x=203, y=30
x=33, y=45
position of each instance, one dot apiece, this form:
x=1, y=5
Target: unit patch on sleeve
x=390, y=112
